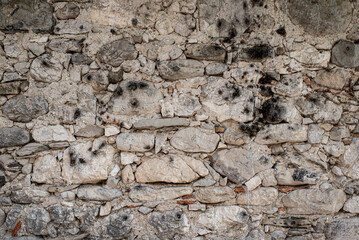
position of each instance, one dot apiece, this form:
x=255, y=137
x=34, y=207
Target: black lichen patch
x=142, y=85
x=230, y=92
x=281, y=31
x=299, y=175
x=250, y=129
x=259, y=3
x=102, y=145
x=266, y=79
x=148, y=147
x=266, y=91
x=132, y=85
x=134, y=22
x=118, y=92
x=272, y=111
x=259, y=52
x=2, y=181
x=77, y=113
x=134, y=103
x=175, y=68
x=263, y=160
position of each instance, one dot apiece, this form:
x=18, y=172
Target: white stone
x=214, y=194
x=105, y=210
x=334, y=148
x=68, y=195
x=135, y=142
x=148, y=194
x=128, y=158
x=253, y=183
x=352, y=205
x=111, y=130
x=46, y=69
x=98, y=193
x=55, y=133
x=46, y=170
x=259, y=197
x=127, y=175
x=281, y=133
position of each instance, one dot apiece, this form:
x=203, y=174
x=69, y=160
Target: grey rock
x=12, y=88
x=334, y=148
x=278, y=235
x=345, y=54
x=12, y=76
x=90, y=131
x=69, y=11
x=185, y=25
x=98, y=193
x=145, y=210
x=338, y=133
x=2, y=217
x=256, y=53
x=204, y=182
x=135, y=142
x=180, y=69
x=24, y=109
x=72, y=27
x=9, y=167
x=169, y=224
x=148, y=194
x=205, y=52
x=320, y=18
x=161, y=123
x=65, y=45
x=26, y=15
x=214, y=194
x=349, y=164
x=12, y=216
x=61, y=215
x=58, y=145
x=36, y=48
x=347, y=228
x=315, y=134
x=23, y=238
x=262, y=196
x=114, y=53
x=216, y=68
x=239, y=134
x=314, y=201
x=255, y=235
x=98, y=80
x=290, y=86
x=56, y=133
x=241, y=164
x=15, y=136
x=5, y=201
x=120, y=225
x=87, y=217
x=185, y=105
x=46, y=69
x=281, y=133
x=352, y=205
x=37, y=220
x=286, y=174
x=195, y=140
x=27, y=196
x=80, y=59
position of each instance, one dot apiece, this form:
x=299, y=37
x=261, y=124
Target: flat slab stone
x=205, y=52
x=161, y=123
x=12, y=88
x=347, y=228
x=214, y=194
x=97, y=193
x=195, y=140
x=180, y=69
x=27, y=196
x=34, y=15
x=90, y=131
x=148, y=194
x=114, y=53
x=259, y=197
x=281, y=133
x=72, y=26
x=314, y=201
x=14, y=136
x=135, y=142
x=55, y=133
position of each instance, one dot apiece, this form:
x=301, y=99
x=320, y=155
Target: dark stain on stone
x=95, y=152
x=81, y=160
x=73, y=158
x=266, y=79
x=142, y=85
x=102, y=145
x=2, y=181
x=272, y=111
x=118, y=92
x=259, y=3
x=134, y=102
x=175, y=68
x=266, y=91
x=250, y=129
x=258, y=52
x=299, y=174
x=148, y=147
x=132, y=85
x=263, y=160
x=281, y=31
x=134, y=22
x=77, y=113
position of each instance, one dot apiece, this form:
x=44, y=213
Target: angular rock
x=352, y=205
x=185, y=105
x=26, y=15
x=291, y=174
x=334, y=79
x=90, y=131
x=46, y=69
x=350, y=164
x=314, y=201
x=334, y=148
x=259, y=197
x=241, y=164
x=230, y=221
x=2, y=217
x=204, y=182
x=148, y=194
x=80, y=59
x=281, y=133
x=205, y=52
x=36, y=48
x=168, y=168
x=278, y=109
x=161, y=123
x=195, y=140
x=12, y=76
x=136, y=98
x=69, y=11
x=170, y=224
x=27, y=196
x=12, y=216
x=114, y=53
x=227, y=100
x=72, y=27
x=24, y=109
x=55, y=133
x=290, y=85
x=216, y=68
x=347, y=228
x=9, y=168
x=135, y=142
x=315, y=134
x=12, y=88
x=97, y=193
x=345, y=54
x=214, y=194
x=37, y=220
x=180, y=69
x=65, y=45
x=61, y=215
x=98, y=80
x=14, y=136
x=46, y=170
x=239, y=134
x=119, y=225
x=87, y=162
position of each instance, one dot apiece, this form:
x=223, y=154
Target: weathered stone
x=111, y=131
x=120, y=225
x=2, y=217
x=80, y=59
x=90, y=131
x=180, y=69
x=145, y=210
x=334, y=79
x=345, y=54
x=87, y=216
x=253, y=183
x=136, y=97
x=46, y=69
x=315, y=134
x=349, y=164
x=65, y=45
x=241, y=164
x=290, y=85
x=170, y=224
x=148, y=194
x=204, y=182
x=26, y=15
x=55, y=133
x=72, y=27
x=320, y=18
x=352, y=205
x=338, y=133
x=114, y=53
x=308, y=55
x=259, y=197
x=9, y=168
x=61, y=215
x=314, y=201
x=98, y=193
x=256, y=53
x=98, y=80
x=347, y=228
x=229, y=221
x=195, y=140
x=27, y=196
x=227, y=100
x=282, y=133
x=37, y=220
x=278, y=109
x=15, y=136
x=161, y=123
x=12, y=88
x=46, y=170
x=36, y=48
x=185, y=24
x=12, y=216
x=205, y=52
x=186, y=105
x=168, y=168
x=69, y=11
x=291, y=174
x=24, y=109
x=135, y=142
x=87, y=162
x=216, y=68
x=12, y=76
x=215, y=194
x=334, y=148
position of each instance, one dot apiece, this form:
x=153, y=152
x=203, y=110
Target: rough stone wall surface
x=179, y=119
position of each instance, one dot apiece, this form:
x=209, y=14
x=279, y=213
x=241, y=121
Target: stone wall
x=179, y=119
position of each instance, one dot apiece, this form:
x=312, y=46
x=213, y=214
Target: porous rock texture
x=179, y=119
